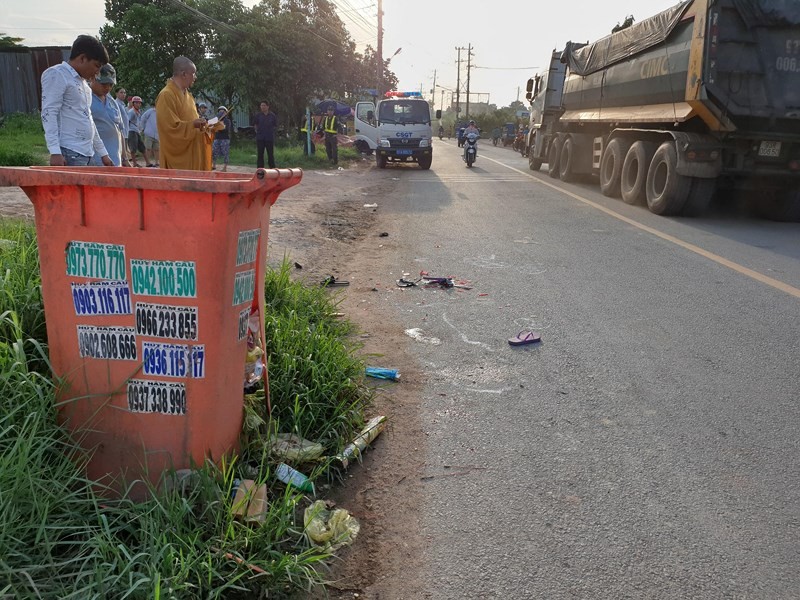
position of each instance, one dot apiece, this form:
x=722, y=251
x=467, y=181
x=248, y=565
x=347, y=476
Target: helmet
x=223, y=109
x=471, y=122
x=136, y=99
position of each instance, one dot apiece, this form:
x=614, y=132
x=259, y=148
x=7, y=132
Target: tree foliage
x=289, y=52
x=7, y=41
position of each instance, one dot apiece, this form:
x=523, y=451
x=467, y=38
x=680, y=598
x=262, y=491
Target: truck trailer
x=701, y=97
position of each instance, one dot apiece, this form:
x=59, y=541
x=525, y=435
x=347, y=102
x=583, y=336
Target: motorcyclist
x=471, y=128
x=441, y=131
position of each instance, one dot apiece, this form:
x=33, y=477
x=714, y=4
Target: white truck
x=398, y=131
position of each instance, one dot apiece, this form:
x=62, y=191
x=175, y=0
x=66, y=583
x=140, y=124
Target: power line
x=505, y=68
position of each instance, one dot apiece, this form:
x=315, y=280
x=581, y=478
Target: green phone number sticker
x=96, y=261
x=175, y=279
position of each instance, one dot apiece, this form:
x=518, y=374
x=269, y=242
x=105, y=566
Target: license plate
x=769, y=149
x=404, y=151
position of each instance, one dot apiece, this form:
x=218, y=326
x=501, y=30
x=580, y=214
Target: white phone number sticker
x=157, y=320
x=114, y=343
x=101, y=298
x=173, y=360
x=156, y=397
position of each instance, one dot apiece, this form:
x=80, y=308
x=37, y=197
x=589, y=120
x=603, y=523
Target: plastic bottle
x=290, y=476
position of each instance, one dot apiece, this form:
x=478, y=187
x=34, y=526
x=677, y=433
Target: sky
x=511, y=39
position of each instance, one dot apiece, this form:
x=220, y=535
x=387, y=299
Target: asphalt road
x=648, y=447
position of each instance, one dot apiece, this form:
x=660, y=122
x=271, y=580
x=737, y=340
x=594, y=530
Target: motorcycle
x=470, y=148
x=441, y=132
x=519, y=143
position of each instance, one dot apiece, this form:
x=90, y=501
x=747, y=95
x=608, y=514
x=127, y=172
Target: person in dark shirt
x=265, y=122
x=222, y=140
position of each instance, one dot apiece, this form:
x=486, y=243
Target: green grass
x=289, y=155
x=59, y=539
x=22, y=141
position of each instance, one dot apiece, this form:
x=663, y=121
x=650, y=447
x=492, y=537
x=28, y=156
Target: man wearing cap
x=135, y=143
x=106, y=116
x=184, y=138
x=222, y=140
x=69, y=130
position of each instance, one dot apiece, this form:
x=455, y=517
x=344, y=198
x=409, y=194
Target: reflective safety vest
x=330, y=124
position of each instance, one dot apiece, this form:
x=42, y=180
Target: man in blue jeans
x=265, y=122
x=69, y=130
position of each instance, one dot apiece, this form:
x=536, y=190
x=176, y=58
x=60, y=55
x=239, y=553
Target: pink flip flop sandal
x=525, y=337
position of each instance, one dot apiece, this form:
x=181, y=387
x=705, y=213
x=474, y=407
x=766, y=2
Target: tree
x=7, y=41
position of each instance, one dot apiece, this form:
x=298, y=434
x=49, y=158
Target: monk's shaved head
x=182, y=64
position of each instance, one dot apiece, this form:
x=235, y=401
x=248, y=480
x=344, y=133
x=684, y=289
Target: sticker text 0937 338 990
x=101, y=298
x=96, y=261
x=176, y=279
x=173, y=360
x=156, y=320
x=114, y=343
x=167, y=398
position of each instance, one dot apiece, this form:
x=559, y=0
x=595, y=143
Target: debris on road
x=381, y=373
x=367, y=435
x=524, y=338
x=295, y=449
x=419, y=335
x=296, y=479
x=250, y=500
x=329, y=528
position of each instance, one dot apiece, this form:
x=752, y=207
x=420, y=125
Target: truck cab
x=397, y=130
x=544, y=92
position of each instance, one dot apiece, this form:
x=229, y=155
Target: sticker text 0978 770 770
x=102, y=298
x=247, y=247
x=166, y=398
x=114, y=343
x=95, y=261
x=157, y=320
x=173, y=360
x=244, y=284
x=176, y=279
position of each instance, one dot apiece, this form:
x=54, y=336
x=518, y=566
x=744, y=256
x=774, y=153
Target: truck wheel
x=552, y=158
x=362, y=147
x=566, y=161
x=381, y=161
x=667, y=191
x=534, y=163
x=611, y=167
x=425, y=162
x=633, y=178
x=700, y=196
x=781, y=206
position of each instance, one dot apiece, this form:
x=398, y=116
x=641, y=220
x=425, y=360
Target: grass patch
x=288, y=155
x=59, y=539
x=22, y=141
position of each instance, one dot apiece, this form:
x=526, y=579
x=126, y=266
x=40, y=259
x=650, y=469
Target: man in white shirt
x=69, y=130
x=122, y=95
x=149, y=128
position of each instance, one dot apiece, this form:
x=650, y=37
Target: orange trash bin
x=148, y=278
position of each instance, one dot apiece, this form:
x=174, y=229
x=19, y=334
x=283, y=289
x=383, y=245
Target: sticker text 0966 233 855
x=95, y=261
x=173, y=360
x=247, y=247
x=167, y=398
x=101, y=298
x=157, y=320
x=176, y=279
x=114, y=343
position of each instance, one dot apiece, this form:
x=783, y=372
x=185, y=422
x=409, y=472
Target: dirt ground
x=322, y=225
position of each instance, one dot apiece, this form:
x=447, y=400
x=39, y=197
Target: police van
x=398, y=131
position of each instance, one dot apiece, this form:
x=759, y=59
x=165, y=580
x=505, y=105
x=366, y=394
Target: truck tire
x=425, y=162
x=566, y=162
x=362, y=147
x=633, y=179
x=781, y=206
x=381, y=161
x=700, y=197
x=667, y=191
x=534, y=163
x=611, y=167
x=553, y=154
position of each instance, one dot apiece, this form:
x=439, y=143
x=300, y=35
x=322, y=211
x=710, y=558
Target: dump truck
x=700, y=98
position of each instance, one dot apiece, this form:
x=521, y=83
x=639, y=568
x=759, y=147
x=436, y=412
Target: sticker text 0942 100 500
x=157, y=320
x=173, y=360
x=176, y=279
x=101, y=298
x=166, y=398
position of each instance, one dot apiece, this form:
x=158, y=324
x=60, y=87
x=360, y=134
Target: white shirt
x=67, y=112
x=147, y=123
x=123, y=111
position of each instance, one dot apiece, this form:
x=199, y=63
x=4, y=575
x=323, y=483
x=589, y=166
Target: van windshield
x=404, y=112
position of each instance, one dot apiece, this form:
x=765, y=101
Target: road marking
x=778, y=285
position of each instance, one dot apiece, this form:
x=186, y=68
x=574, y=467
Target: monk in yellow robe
x=185, y=138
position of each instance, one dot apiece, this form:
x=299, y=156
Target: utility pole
x=380, y=48
x=458, y=87
x=469, y=56
x=441, y=104
x=433, y=90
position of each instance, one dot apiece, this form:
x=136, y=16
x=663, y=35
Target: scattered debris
x=425, y=279
x=419, y=335
x=331, y=281
x=370, y=206
x=329, y=528
x=384, y=234
x=290, y=476
x=295, y=449
x=297, y=265
x=381, y=373
x=250, y=500
x=525, y=337
x=353, y=450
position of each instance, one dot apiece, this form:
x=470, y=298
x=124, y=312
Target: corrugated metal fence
x=20, y=76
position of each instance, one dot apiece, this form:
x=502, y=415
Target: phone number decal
x=102, y=298
x=114, y=343
x=96, y=261
x=244, y=322
x=156, y=320
x=156, y=397
x=247, y=246
x=173, y=360
x=243, y=285
x=176, y=279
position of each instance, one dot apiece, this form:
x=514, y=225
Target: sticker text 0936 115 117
x=95, y=260
x=101, y=298
x=173, y=360
x=166, y=398
x=244, y=284
x=157, y=320
x=176, y=279
x=114, y=343
x=247, y=247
